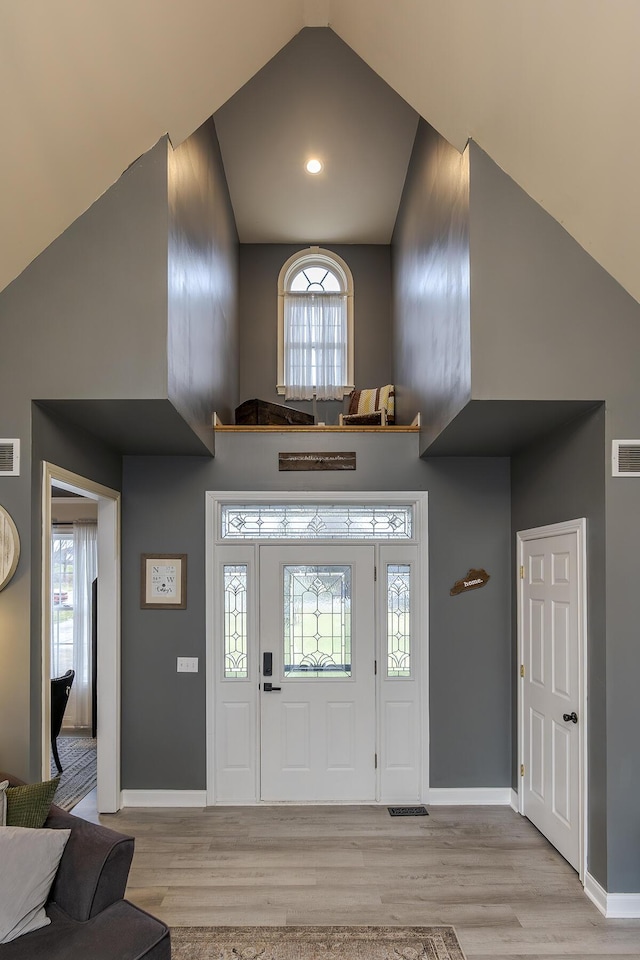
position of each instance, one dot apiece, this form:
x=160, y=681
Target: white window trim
x=311, y=256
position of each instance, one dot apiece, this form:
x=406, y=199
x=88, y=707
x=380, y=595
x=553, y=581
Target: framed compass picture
x=163, y=581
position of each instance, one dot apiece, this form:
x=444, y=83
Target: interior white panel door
x=551, y=691
x=317, y=705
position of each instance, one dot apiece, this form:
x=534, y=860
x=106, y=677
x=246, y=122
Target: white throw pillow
x=3, y=802
x=29, y=860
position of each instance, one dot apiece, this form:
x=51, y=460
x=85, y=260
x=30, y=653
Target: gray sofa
x=90, y=920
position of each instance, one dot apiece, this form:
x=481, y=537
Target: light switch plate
x=187, y=664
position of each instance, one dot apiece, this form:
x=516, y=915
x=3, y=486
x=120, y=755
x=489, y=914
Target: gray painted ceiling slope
x=316, y=98
x=548, y=90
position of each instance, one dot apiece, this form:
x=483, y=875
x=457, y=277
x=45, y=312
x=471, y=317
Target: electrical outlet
x=187, y=664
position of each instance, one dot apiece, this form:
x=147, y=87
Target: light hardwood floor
x=486, y=870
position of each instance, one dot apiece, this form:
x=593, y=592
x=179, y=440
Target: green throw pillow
x=3, y=803
x=28, y=805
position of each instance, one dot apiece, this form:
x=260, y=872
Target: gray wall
x=563, y=478
x=57, y=442
x=163, y=712
x=543, y=312
x=91, y=320
x=549, y=323
x=430, y=256
x=87, y=319
x=202, y=283
x=81, y=321
x=260, y=265
x=622, y=504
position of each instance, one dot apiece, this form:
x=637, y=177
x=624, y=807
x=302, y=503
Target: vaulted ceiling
x=316, y=100
x=550, y=90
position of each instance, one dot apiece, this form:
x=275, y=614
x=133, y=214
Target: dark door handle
x=269, y=688
x=570, y=717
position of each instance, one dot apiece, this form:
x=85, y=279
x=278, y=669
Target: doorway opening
x=81, y=630
x=73, y=669
x=317, y=648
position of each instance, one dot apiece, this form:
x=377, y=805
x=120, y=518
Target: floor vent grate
x=408, y=811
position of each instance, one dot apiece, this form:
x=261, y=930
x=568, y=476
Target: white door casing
x=552, y=647
x=397, y=730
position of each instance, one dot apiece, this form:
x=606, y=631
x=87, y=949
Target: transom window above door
x=315, y=326
x=316, y=521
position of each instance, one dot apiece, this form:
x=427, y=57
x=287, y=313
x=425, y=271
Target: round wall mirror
x=9, y=547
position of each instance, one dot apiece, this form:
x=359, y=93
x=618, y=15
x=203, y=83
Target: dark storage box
x=265, y=414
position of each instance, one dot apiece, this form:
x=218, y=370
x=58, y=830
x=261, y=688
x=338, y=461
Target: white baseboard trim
x=514, y=803
x=164, y=798
x=472, y=796
x=613, y=906
x=596, y=893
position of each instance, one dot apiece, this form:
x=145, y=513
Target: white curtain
x=61, y=617
x=315, y=346
x=85, y=570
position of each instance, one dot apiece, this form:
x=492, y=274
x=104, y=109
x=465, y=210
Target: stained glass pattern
x=303, y=521
x=398, y=620
x=317, y=621
x=235, y=621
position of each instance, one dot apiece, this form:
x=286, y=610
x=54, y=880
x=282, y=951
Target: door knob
x=269, y=687
x=570, y=717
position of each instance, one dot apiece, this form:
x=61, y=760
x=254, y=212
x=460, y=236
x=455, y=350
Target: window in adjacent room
x=74, y=567
x=315, y=326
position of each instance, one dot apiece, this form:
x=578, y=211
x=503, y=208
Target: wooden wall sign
x=473, y=580
x=317, y=461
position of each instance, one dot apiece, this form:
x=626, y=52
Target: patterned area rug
x=315, y=943
x=79, y=770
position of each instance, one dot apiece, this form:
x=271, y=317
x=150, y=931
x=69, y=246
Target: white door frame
x=579, y=529
x=213, y=543
x=108, y=666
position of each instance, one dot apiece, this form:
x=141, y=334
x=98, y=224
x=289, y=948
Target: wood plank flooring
x=486, y=870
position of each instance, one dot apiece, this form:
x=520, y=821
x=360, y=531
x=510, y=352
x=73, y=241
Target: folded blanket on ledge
x=369, y=401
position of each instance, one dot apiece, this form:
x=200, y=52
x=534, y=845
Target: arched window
x=315, y=326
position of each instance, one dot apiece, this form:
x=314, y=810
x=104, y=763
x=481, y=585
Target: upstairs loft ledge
x=219, y=427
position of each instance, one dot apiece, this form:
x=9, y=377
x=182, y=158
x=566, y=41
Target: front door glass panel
x=235, y=621
x=317, y=621
x=398, y=620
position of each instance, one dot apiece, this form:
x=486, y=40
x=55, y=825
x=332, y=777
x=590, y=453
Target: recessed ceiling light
x=313, y=166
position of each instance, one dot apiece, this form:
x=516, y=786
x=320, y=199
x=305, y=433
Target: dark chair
x=60, y=690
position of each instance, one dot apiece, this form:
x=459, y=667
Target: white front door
x=317, y=660
x=551, y=690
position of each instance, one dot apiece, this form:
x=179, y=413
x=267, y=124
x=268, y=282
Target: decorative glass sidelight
x=316, y=521
x=235, y=621
x=317, y=621
x=398, y=620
